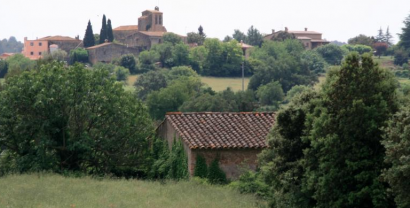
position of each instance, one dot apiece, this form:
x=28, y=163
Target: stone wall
x=66, y=45
x=231, y=161
x=108, y=52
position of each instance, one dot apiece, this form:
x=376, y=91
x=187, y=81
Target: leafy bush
x=73, y=119
x=78, y=55
x=149, y=82
x=314, y=61
x=361, y=49
x=397, y=144
x=250, y=182
x=128, y=61
x=201, y=169
x=215, y=174
x=333, y=54
x=3, y=68
x=121, y=73
x=401, y=57
x=270, y=94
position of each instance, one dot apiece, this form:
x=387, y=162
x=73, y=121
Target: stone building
x=147, y=33
x=309, y=39
x=34, y=49
x=105, y=52
x=236, y=138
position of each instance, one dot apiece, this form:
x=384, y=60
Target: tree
x=201, y=169
x=281, y=165
x=198, y=56
x=97, y=38
x=213, y=63
x=381, y=48
x=110, y=34
x=128, y=61
x=57, y=55
x=388, y=37
x=149, y=82
x=180, y=55
x=361, y=49
x=227, y=38
x=254, y=37
x=397, y=144
x=172, y=38
x=380, y=36
x=333, y=54
x=270, y=94
x=78, y=55
x=89, y=40
x=283, y=35
x=362, y=40
x=201, y=31
x=3, y=68
x=314, y=61
x=405, y=34
x=401, y=57
x=121, y=73
x=103, y=31
x=345, y=157
x=73, y=119
x=195, y=38
x=11, y=45
x=280, y=61
x=169, y=99
x=147, y=60
x=18, y=63
x=215, y=174
x=240, y=36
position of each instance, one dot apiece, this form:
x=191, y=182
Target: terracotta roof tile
x=222, y=130
x=58, y=37
x=127, y=27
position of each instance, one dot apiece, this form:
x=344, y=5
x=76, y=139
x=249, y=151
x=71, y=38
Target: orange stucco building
x=34, y=49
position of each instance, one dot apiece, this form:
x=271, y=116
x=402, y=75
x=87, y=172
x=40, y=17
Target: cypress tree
x=110, y=35
x=215, y=174
x=89, y=36
x=405, y=35
x=201, y=169
x=103, y=32
x=388, y=37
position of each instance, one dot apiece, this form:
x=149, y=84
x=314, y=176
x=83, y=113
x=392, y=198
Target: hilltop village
x=278, y=119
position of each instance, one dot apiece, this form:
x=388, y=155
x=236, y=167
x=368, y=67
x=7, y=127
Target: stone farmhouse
x=310, y=39
x=147, y=33
x=34, y=49
x=236, y=138
x=132, y=38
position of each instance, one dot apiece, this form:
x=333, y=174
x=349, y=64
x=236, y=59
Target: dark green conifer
x=201, y=169
x=103, y=32
x=89, y=36
x=215, y=174
x=110, y=34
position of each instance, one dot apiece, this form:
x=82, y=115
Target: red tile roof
x=222, y=130
x=58, y=37
x=127, y=27
x=99, y=45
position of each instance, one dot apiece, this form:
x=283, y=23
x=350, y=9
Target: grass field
x=385, y=61
x=216, y=83
x=49, y=191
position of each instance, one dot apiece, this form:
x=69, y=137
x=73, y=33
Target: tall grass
x=56, y=191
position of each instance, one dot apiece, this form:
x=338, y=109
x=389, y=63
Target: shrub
x=270, y=94
x=201, y=169
x=401, y=57
x=3, y=68
x=333, y=54
x=78, y=55
x=121, y=73
x=128, y=61
x=215, y=174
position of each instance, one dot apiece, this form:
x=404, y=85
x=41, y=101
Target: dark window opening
x=40, y=44
x=39, y=53
x=31, y=53
x=31, y=44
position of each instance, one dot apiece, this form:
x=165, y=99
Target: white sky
x=336, y=19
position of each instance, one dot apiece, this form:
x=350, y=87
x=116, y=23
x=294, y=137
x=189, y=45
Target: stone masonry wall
x=231, y=161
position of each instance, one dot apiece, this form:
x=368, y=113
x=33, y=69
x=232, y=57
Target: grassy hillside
x=48, y=191
x=216, y=83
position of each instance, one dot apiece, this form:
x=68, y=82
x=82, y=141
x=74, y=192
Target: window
x=156, y=19
x=40, y=44
x=39, y=53
x=31, y=44
x=160, y=20
x=31, y=53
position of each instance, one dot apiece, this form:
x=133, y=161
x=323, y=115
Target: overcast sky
x=336, y=19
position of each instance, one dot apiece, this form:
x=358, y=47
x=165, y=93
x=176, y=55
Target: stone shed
x=236, y=138
x=106, y=52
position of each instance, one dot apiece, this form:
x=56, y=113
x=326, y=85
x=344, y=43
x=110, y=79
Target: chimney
x=106, y=40
x=286, y=29
x=25, y=38
x=273, y=31
x=156, y=8
x=306, y=28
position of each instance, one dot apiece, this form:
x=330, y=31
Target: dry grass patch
x=48, y=191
